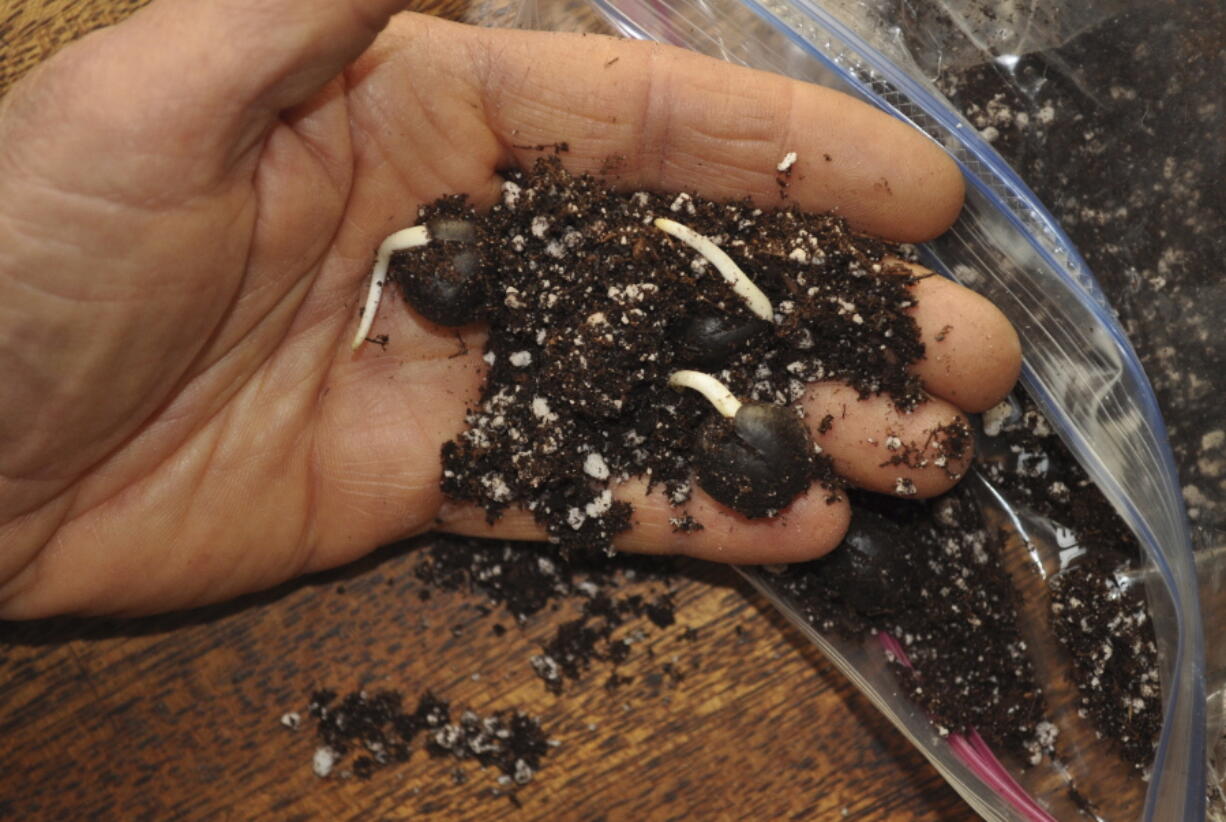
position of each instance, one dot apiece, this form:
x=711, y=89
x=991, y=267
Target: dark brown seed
x=869, y=560
x=710, y=341
x=442, y=281
x=757, y=462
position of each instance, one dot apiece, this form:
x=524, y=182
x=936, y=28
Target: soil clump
x=592, y=308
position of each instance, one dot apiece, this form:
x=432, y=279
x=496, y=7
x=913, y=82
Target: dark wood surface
x=177, y=717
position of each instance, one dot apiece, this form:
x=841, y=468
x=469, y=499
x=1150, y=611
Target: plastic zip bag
x=960, y=33
x=1079, y=366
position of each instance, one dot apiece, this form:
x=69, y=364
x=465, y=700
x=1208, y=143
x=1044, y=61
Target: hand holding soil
x=190, y=205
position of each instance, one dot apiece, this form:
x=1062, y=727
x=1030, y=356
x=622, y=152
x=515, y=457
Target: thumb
x=200, y=80
x=256, y=56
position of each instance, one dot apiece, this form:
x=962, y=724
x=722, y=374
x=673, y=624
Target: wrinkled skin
x=189, y=204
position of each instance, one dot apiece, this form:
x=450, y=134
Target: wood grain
x=177, y=717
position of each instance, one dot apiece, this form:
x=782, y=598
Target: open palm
x=190, y=205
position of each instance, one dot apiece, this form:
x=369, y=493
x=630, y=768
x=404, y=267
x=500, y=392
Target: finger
x=812, y=525
x=683, y=121
x=657, y=117
x=972, y=356
x=921, y=453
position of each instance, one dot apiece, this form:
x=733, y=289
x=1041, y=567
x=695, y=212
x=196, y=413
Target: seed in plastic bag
x=868, y=561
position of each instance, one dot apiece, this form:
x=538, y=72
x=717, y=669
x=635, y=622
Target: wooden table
x=177, y=717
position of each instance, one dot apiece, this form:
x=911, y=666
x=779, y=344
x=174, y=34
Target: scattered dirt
x=365, y=732
x=1102, y=621
x=1106, y=628
x=928, y=574
x=376, y=729
x=525, y=580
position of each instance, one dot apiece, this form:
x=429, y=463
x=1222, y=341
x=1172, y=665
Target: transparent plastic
x=1078, y=366
x=960, y=33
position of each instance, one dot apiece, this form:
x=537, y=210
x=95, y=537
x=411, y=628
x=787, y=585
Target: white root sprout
x=758, y=302
x=714, y=390
x=414, y=237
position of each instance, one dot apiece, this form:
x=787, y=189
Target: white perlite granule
x=600, y=504
x=325, y=759
x=595, y=466
x=540, y=407
x=994, y=418
x=510, y=194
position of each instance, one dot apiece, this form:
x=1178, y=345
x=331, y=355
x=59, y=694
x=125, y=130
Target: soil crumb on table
x=510, y=583
x=525, y=579
x=376, y=729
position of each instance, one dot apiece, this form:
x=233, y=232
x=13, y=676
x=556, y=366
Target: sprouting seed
x=744, y=287
x=756, y=457
x=406, y=238
x=724, y=401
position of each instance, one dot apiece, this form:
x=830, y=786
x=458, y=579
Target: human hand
x=189, y=203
